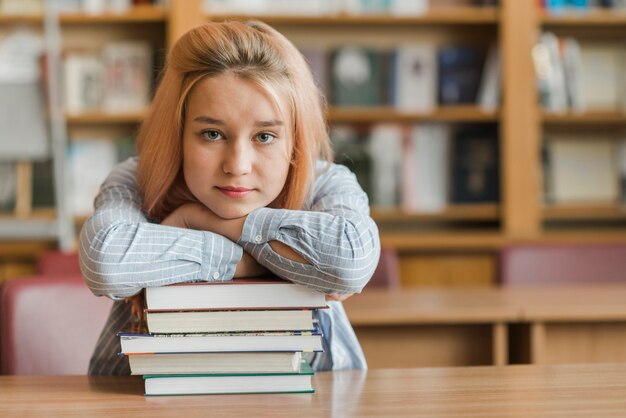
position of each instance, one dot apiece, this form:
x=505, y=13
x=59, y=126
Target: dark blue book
x=460, y=69
x=475, y=166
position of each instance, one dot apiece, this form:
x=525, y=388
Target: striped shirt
x=121, y=253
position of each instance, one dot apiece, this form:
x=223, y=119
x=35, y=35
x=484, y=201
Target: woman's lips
x=235, y=192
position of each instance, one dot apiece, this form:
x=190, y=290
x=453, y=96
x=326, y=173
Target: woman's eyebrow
x=208, y=120
x=266, y=123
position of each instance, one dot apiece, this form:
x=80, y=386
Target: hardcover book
x=143, y=342
x=163, y=322
x=212, y=384
x=234, y=294
x=214, y=363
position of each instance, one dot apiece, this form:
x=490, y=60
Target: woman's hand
x=199, y=217
x=136, y=307
x=334, y=297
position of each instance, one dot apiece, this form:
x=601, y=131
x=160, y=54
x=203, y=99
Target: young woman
x=233, y=178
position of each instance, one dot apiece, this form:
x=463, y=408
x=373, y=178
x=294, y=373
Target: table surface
x=461, y=305
x=582, y=390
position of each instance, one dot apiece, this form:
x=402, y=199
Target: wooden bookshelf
x=106, y=118
x=435, y=16
x=592, y=17
x=469, y=212
x=20, y=19
x=389, y=114
x=585, y=212
x=137, y=14
x=584, y=118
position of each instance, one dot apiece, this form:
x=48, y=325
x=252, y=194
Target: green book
x=220, y=384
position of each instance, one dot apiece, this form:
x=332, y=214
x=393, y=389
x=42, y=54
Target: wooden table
x=580, y=390
x=421, y=327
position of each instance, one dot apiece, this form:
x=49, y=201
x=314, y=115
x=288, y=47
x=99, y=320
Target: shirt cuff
x=220, y=257
x=261, y=226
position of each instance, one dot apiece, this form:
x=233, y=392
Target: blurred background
x=473, y=125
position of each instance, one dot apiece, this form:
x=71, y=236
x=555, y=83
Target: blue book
x=460, y=70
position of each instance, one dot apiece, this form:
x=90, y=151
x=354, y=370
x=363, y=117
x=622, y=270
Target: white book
x=572, y=65
x=415, y=75
x=409, y=7
x=89, y=163
x=385, y=149
x=234, y=294
x=196, y=363
x=557, y=92
x=82, y=79
x=127, y=76
x=600, y=76
x=431, y=154
x=583, y=170
x=229, y=321
x=306, y=341
x=490, y=84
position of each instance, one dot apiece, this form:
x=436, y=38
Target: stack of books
x=243, y=336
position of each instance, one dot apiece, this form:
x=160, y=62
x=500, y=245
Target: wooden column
x=184, y=15
x=520, y=131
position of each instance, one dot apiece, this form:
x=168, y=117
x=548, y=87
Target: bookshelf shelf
x=478, y=240
x=439, y=16
x=389, y=114
x=591, y=117
x=137, y=14
x=476, y=212
x=492, y=241
x=585, y=212
x=105, y=118
x=20, y=19
x=593, y=17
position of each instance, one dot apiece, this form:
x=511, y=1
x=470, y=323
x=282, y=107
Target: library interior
x=501, y=283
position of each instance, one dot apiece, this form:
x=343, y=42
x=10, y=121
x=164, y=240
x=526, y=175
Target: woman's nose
x=237, y=160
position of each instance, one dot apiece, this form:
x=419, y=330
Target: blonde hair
x=253, y=51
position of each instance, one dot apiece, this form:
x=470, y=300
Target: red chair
x=49, y=325
x=563, y=264
x=387, y=273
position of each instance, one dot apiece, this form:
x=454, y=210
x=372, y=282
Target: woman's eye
x=265, y=138
x=211, y=135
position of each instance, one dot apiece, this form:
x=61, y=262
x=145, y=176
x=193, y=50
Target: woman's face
x=235, y=146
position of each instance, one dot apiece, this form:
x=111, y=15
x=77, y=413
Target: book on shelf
x=621, y=161
x=163, y=322
x=414, y=77
x=214, y=363
x=385, y=151
x=475, y=166
x=602, y=73
x=89, y=163
x=550, y=73
x=581, y=170
x=459, y=74
x=140, y=341
x=205, y=384
x=8, y=185
x=351, y=143
x=358, y=76
x=127, y=76
x=82, y=80
x=258, y=293
x=489, y=89
x=427, y=167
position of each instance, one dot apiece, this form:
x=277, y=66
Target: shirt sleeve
x=121, y=252
x=335, y=234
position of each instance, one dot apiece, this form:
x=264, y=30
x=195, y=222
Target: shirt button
x=258, y=239
x=216, y=275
